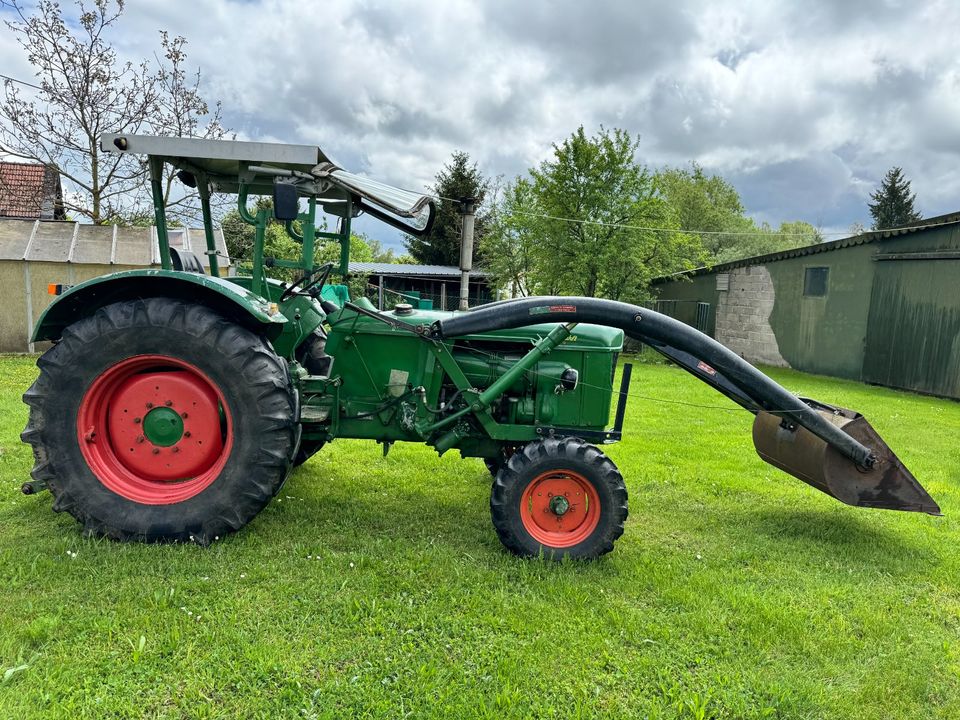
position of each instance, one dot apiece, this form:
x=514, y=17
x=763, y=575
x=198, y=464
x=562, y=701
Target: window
x=815, y=281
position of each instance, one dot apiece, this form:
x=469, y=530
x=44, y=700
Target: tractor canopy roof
x=256, y=166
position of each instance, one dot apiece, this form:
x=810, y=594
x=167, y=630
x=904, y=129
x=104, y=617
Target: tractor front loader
x=173, y=404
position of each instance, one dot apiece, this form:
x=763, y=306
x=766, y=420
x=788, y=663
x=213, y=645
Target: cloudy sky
x=803, y=106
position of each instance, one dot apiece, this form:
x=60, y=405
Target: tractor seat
x=186, y=261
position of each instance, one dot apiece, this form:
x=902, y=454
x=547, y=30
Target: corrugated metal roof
x=862, y=239
x=396, y=269
x=71, y=242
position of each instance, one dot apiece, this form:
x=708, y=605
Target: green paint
x=914, y=327
x=163, y=426
x=890, y=322
x=83, y=299
x=823, y=335
x=159, y=211
x=559, y=505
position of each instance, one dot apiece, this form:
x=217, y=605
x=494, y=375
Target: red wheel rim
x=560, y=508
x=154, y=429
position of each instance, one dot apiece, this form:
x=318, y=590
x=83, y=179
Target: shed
x=882, y=307
x=438, y=285
x=35, y=253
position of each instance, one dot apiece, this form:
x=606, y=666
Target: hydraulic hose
x=725, y=370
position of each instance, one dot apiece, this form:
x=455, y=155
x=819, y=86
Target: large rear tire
x=307, y=449
x=559, y=498
x=160, y=420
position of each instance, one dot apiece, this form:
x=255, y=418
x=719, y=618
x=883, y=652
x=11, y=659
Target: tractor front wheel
x=160, y=420
x=559, y=497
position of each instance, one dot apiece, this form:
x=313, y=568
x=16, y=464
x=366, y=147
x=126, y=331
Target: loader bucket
x=796, y=450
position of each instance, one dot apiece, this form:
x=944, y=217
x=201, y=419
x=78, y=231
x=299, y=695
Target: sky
x=802, y=106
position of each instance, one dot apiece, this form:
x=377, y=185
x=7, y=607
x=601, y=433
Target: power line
x=760, y=233
x=627, y=226
x=648, y=228
x=21, y=82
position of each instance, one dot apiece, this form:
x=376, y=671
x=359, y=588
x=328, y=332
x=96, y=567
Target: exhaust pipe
x=886, y=484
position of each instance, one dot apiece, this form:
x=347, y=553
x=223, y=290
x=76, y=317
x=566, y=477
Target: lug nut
x=168, y=403
x=183, y=415
x=176, y=449
x=186, y=433
x=149, y=405
x=156, y=451
x=140, y=438
x=136, y=421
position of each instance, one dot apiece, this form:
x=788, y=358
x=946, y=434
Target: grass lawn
x=376, y=587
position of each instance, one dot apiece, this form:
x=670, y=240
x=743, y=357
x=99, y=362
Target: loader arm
x=833, y=449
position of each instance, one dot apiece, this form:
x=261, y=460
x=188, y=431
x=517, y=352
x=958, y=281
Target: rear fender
x=226, y=297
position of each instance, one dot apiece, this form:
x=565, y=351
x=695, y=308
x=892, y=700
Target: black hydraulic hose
x=655, y=329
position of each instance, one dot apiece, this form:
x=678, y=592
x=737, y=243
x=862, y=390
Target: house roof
x=442, y=272
x=71, y=242
x=865, y=238
x=27, y=190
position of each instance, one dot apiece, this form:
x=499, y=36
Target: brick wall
x=743, y=316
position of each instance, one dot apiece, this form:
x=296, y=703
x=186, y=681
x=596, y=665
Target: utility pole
x=467, y=206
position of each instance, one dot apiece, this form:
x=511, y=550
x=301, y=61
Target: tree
x=705, y=204
x=181, y=111
x=509, y=248
x=458, y=179
x=764, y=239
x=601, y=229
x=83, y=89
x=892, y=204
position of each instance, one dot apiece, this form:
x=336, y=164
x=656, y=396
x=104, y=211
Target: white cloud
x=804, y=106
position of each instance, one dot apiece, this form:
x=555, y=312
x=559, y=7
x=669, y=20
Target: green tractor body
x=174, y=404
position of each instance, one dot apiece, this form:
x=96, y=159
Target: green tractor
x=173, y=404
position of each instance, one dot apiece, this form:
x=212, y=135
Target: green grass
x=376, y=587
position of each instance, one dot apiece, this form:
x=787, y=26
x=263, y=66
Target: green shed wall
x=905, y=311
x=824, y=335
x=701, y=288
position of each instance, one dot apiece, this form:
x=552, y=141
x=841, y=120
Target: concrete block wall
x=743, y=316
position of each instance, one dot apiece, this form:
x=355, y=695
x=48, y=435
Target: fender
x=224, y=296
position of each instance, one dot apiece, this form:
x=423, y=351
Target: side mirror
x=286, y=201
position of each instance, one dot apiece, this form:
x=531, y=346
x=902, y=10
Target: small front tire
x=560, y=498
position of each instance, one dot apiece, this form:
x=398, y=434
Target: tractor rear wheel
x=307, y=449
x=160, y=420
x=559, y=497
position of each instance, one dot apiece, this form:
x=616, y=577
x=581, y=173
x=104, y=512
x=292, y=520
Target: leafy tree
x=595, y=207
x=892, y=204
x=83, y=90
x=509, y=249
x=458, y=179
x=764, y=239
x=704, y=203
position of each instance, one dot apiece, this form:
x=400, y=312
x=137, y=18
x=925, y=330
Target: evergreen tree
x=459, y=178
x=892, y=204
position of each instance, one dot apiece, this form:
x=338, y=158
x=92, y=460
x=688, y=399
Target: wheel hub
x=560, y=508
x=559, y=505
x=154, y=429
x=163, y=426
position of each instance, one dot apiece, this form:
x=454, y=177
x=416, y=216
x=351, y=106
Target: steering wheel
x=308, y=280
